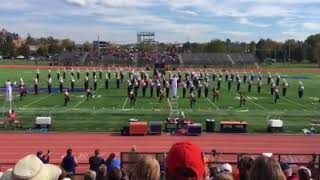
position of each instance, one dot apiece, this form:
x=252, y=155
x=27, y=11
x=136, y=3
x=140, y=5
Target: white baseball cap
x=32, y=168
x=226, y=167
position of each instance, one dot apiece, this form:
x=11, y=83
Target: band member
x=184, y=89
x=249, y=85
x=158, y=87
x=284, y=87
x=129, y=87
x=276, y=95
x=58, y=74
x=174, y=84
x=49, y=74
x=214, y=76
x=94, y=73
x=95, y=83
x=227, y=76
x=259, y=85
x=219, y=83
x=269, y=77
x=237, y=77
x=100, y=73
x=151, y=84
x=242, y=99
x=72, y=72
x=232, y=76
x=89, y=93
x=260, y=76
x=35, y=81
x=49, y=85
x=238, y=84
x=244, y=77
x=192, y=100
x=64, y=73
x=161, y=95
x=206, y=89
x=132, y=98
x=252, y=76
x=199, y=89
x=66, y=97
x=273, y=86
x=278, y=80
x=87, y=73
x=72, y=83
x=300, y=90
x=106, y=81
x=167, y=88
x=229, y=84
x=61, y=85
x=191, y=87
x=136, y=87
x=109, y=73
x=86, y=82
x=78, y=73
x=121, y=75
x=22, y=92
x=144, y=88
x=215, y=94
x=118, y=81
x=38, y=74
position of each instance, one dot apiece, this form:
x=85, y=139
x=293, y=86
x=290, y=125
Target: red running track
x=17, y=145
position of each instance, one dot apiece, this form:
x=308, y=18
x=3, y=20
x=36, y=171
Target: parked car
x=1, y=57
x=31, y=58
x=269, y=61
x=20, y=57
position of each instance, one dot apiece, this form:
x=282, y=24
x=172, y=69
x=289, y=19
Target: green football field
x=109, y=109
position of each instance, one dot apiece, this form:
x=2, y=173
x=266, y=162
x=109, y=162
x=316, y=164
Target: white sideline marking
x=213, y=104
x=86, y=98
x=38, y=100
x=125, y=102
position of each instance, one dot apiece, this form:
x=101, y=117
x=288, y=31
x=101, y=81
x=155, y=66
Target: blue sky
x=118, y=21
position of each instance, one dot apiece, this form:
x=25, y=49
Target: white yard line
x=213, y=104
x=84, y=99
x=248, y=100
x=125, y=102
x=288, y=100
x=170, y=107
x=38, y=100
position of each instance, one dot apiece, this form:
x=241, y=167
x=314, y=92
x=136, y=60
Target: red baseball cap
x=185, y=161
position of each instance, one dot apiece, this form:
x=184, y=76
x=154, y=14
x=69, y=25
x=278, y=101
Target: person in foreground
x=32, y=168
x=185, y=162
x=266, y=168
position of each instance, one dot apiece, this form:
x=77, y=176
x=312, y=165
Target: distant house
x=17, y=40
x=33, y=48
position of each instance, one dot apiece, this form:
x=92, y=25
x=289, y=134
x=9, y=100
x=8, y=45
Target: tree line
x=289, y=51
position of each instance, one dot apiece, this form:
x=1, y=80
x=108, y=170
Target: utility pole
x=289, y=53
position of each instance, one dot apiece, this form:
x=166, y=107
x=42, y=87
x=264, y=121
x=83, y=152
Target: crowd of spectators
x=184, y=161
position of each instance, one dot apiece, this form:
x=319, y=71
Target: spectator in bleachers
x=304, y=173
x=287, y=171
x=224, y=176
x=45, y=158
x=95, y=161
x=102, y=173
x=244, y=165
x=266, y=168
x=91, y=175
x=185, y=161
x=112, y=162
x=147, y=168
x=312, y=166
x=115, y=174
x=32, y=168
x=226, y=168
x=213, y=172
x=69, y=162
